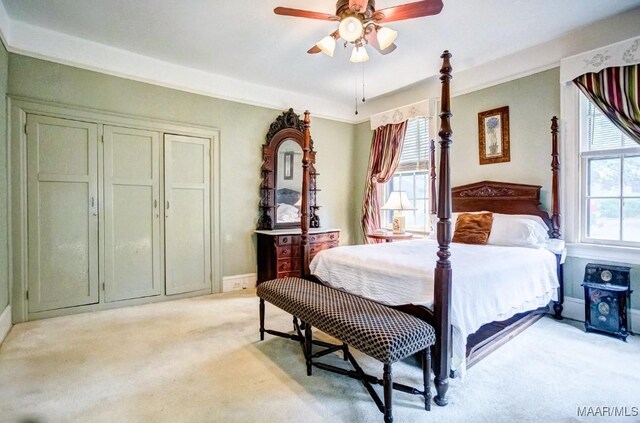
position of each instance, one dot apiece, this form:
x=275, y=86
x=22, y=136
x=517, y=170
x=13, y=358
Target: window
x=412, y=176
x=610, y=172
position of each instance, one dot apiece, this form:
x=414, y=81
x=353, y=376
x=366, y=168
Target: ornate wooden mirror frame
x=287, y=126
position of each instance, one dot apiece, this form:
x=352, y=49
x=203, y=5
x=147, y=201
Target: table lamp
x=398, y=201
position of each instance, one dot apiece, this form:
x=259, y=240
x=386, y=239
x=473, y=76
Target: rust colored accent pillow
x=473, y=228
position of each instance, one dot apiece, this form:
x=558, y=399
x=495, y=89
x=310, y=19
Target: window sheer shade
x=601, y=133
x=415, y=151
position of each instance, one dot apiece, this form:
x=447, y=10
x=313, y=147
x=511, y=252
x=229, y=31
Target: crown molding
x=33, y=41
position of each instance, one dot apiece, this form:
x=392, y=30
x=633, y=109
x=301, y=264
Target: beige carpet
x=200, y=360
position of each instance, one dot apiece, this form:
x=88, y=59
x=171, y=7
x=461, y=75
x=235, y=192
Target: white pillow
x=518, y=231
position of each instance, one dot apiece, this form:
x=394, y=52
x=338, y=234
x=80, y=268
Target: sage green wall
x=360, y=165
x=242, y=131
x=4, y=189
x=532, y=101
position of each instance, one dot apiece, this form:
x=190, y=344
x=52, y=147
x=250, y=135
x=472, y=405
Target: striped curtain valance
x=616, y=92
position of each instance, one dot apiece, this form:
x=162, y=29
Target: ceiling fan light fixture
x=327, y=45
x=386, y=37
x=350, y=29
x=359, y=54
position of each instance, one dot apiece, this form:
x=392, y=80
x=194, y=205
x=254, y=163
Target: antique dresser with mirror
x=279, y=221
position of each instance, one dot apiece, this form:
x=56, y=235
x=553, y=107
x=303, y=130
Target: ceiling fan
x=360, y=24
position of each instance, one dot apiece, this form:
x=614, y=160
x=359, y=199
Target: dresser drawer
x=289, y=265
x=328, y=236
x=288, y=251
x=288, y=239
x=315, y=249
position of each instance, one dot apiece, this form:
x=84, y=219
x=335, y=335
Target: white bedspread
x=490, y=283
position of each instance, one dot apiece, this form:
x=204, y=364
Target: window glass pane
x=604, y=177
x=421, y=185
x=421, y=212
x=395, y=184
x=411, y=175
x=407, y=185
x=603, y=219
x=631, y=220
x=631, y=175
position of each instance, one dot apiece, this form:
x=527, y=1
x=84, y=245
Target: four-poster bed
x=503, y=198
x=498, y=197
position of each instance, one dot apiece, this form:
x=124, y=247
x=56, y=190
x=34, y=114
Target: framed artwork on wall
x=493, y=134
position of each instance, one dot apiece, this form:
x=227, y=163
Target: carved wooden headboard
x=499, y=197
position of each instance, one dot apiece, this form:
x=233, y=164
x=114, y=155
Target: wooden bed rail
x=442, y=273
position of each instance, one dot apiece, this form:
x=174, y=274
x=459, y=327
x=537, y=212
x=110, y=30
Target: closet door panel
x=187, y=214
x=132, y=229
x=62, y=213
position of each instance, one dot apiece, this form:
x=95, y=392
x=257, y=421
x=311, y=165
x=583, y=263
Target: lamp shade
x=359, y=55
x=350, y=29
x=386, y=36
x=327, y=45
x=398, y=200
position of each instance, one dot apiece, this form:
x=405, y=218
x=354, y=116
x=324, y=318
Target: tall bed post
x=555, y=216
x=432, y=176
x=304, y=204
x=555, y=170
x=443, y=272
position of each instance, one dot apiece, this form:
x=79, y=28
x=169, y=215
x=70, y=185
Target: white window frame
x=585, y=156
x=570, y=162
x=385, y=217
x=573, y=182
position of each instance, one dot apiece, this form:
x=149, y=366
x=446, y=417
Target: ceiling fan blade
x=409, y=11
x=372, y=40
x=287, y=11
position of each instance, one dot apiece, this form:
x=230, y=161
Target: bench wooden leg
x=308, y=337
x=426, y=375
x=261, y=319
x=388, y=393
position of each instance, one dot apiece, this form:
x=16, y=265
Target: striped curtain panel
x=386, y=149
x=616, y=92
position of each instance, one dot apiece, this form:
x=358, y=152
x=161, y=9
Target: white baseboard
x=5, y=323
x=239, y=282
x=574, y=310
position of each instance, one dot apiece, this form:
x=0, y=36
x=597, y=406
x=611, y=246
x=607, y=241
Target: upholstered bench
x=383, y=333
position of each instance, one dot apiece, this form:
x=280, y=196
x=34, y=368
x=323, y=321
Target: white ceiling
x=247, y=50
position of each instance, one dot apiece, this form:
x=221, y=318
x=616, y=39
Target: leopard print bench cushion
x=381, y=332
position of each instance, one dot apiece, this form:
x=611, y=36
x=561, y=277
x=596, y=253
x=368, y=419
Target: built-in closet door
x=62, y=181
x=131, y=213
x=187, y=213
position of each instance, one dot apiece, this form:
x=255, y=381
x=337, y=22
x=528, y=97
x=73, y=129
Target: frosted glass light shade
x=359, y=55
x=327, y=45
x=350, y=29
x=386, y=36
